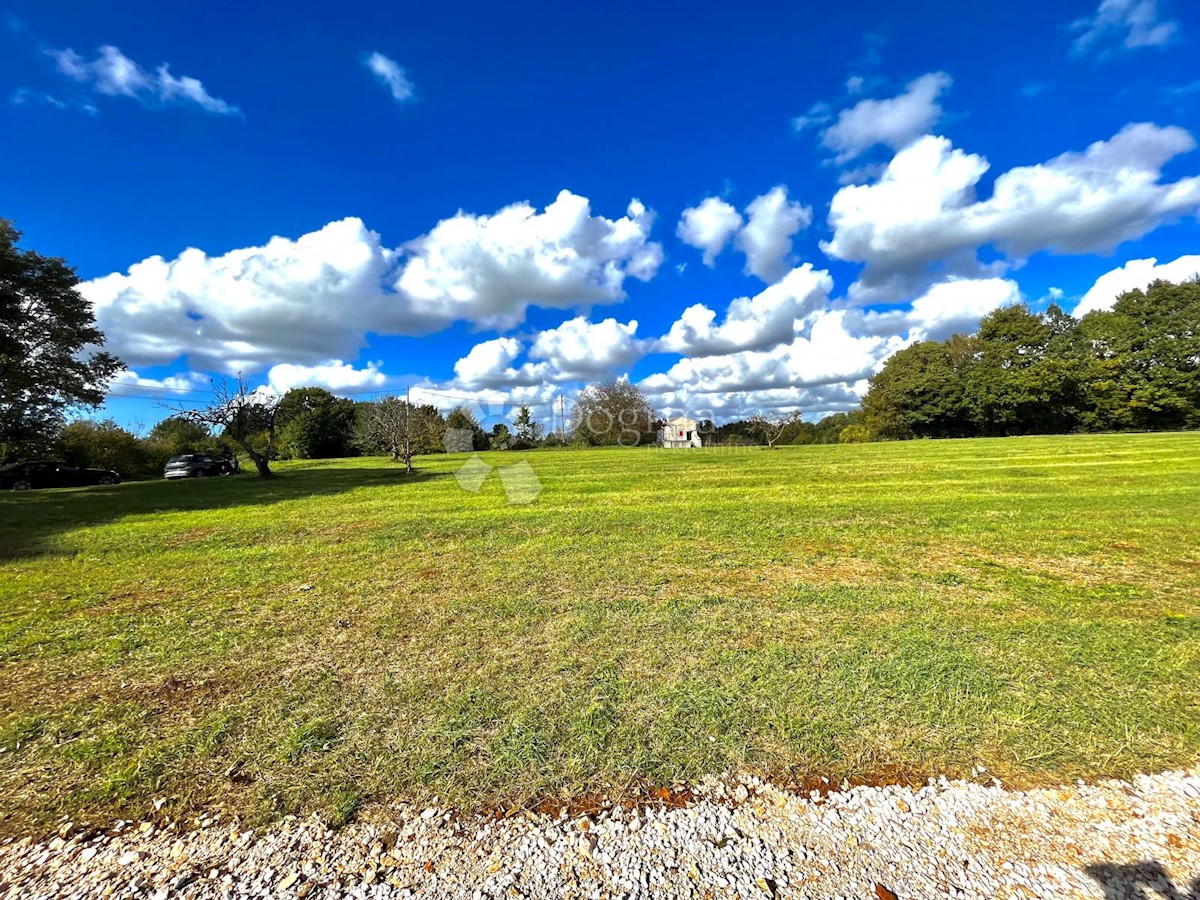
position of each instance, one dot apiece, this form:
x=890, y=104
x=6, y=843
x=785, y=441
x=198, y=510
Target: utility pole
x=562, y=417
x=408, y=428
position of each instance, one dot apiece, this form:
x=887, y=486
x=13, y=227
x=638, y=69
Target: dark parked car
x=195, y=465
x=51, y=474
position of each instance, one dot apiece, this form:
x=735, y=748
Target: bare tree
x=611, y=413
x=771, y=427
x=401, y=428
x=244, y=415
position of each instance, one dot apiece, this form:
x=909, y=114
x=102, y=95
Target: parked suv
x=48, y=473
x=194, y=465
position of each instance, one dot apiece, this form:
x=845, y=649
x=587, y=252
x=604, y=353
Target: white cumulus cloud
x=579, y=350
x=764, y=236
x=333, y=375
x=766, y=239
x=751, y=323
x=951, y=307
x=923, y=214
x=1134, y=275
x=180, y=383
x=895, y=122
x=315, y=298
x=709, y=226
x=489, y=269
x=576, y=350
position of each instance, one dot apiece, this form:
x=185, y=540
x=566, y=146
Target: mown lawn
x=343, y=634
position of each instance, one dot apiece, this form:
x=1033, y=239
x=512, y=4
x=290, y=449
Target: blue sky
x=863, y=177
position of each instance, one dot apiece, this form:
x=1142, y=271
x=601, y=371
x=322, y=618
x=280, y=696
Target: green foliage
x=530, y=432
x=45, y=327
x=500, y=438
x=176, y=435
x=613, y=413
x=1136, y=366
x=392, y=426
x=463, y=422
x=854, y=434
x=314, y=424
x=105, y=445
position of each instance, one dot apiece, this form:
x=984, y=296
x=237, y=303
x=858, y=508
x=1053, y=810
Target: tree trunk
x=263, y=466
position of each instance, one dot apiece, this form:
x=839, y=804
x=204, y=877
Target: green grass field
x=878, y=611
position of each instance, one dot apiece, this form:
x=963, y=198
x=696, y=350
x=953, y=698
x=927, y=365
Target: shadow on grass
x=29, y=521
x=1140, y=881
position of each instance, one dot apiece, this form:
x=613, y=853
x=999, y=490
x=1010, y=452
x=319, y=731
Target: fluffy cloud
x=766, y=239
x=952, y=307
x=1129, y=23
x=825, y=365
x=709, y=227
x=302, y=301
x=751, y=323
x=1135, y=274
x=183, y=382
x=895, y=122
x=490, y=363
x=114, y=74
x=829, y=354
x=923, y=216
x=577, y=350
x=313, y=299
x=490, y=269
x=333, y=375
x=388, y=72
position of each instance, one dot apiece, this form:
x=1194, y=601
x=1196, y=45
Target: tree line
x=305, y=423
x=1136, y=366
x=1133, y=367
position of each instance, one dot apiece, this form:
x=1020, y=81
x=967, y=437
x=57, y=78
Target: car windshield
x=10, y=467
x=185, y=458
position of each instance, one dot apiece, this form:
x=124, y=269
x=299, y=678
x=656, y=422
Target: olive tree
x=771, y=427
x=248, y=418
x=613, y=413
x=400, y=428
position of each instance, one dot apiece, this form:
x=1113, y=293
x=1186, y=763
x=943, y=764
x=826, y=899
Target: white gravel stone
x=738, y=838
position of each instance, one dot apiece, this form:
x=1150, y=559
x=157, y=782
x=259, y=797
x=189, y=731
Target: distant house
x=680, y=432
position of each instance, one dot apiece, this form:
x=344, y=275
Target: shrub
x=854, y=434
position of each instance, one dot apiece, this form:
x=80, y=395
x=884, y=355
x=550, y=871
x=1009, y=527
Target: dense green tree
x=921, y=391
x=500, y=438
x=314, y=424
x=612, y=413
x=176, y=435
x=529, y=431
x=1134, y=366
x=50, y=359
x=854, y=434
x=464, y=431
x=106, y=445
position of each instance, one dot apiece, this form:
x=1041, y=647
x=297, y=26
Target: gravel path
x=741, y=838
